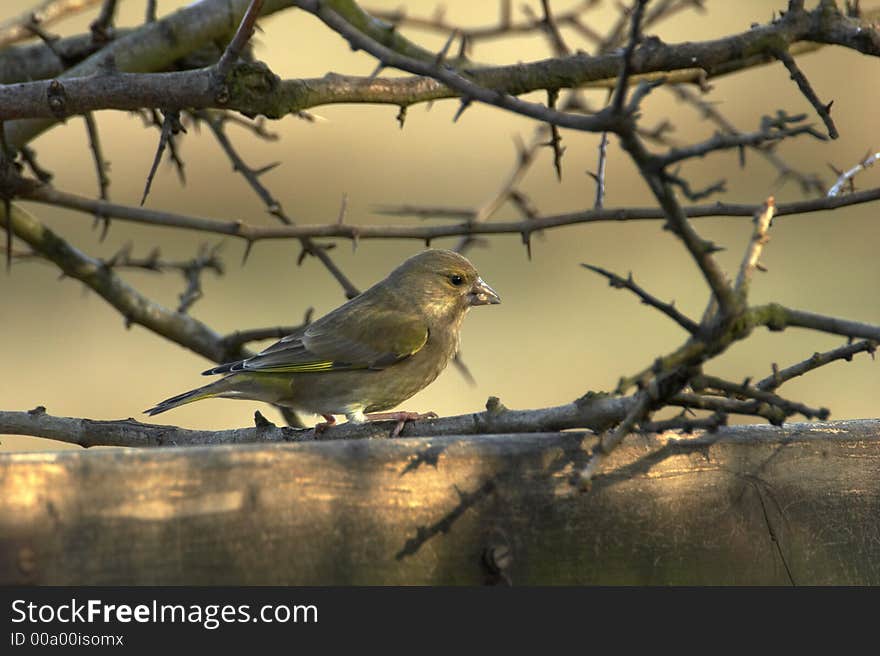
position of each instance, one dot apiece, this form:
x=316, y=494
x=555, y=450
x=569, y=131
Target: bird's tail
x=205, y=392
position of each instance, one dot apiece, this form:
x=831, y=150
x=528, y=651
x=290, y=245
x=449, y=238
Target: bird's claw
x=329, y=420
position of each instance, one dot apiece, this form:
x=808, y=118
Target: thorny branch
x=427, y=233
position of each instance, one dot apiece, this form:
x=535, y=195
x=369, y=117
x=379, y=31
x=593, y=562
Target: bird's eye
x=456, y=280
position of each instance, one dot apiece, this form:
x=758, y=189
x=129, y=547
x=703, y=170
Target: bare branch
x=468, y=90
x=250, y=233
x=103, y=24
x=648, y=299
x=242, y=36
x=594, y=412
x=609, y=441
x=506, y=26
x=701, y=383
x=778, y=378
x=170, y=126
x=718, y=404
x=770, y=131
x=273, y=205
x=808, y=183
x=700, y=250
x=635, y=36
x=599, y=176
x=823, y=110
x=100, y=166
x=134, y=307
x=847, y=176
x=756, y=246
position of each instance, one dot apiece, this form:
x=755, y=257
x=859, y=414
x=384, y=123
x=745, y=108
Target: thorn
x=379, y=68
x=527, y=240
x=441, y=56
x=401, y=116
x=465, y=103
x=247, y=251
x=266, y=169
x=342, y=209
x=105, y=228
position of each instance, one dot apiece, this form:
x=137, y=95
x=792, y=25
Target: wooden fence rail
x=747, y=505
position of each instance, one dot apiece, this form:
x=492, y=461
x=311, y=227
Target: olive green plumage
x=368, y=355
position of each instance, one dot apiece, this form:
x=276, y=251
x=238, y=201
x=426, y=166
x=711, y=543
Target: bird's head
x=443, y=282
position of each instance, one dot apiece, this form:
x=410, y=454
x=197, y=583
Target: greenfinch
x=368, y=355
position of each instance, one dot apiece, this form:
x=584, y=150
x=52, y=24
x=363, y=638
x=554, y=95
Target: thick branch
x=593, y=413
x=260, y=92
x=153, y=47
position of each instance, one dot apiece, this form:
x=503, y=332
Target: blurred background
x=560, y=331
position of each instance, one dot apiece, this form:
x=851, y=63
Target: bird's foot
x=400, y=417
x=329, y=420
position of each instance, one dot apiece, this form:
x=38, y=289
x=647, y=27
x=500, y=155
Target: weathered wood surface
x=749, y=505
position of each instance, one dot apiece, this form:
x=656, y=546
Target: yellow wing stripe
x=298, y=368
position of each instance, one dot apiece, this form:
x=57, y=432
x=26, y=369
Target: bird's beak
x=482, y=294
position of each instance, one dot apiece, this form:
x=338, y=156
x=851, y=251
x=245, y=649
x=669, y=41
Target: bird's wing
x=362, y=338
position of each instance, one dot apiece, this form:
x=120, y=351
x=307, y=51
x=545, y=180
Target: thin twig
x=823, y=110
x=635, y=36
x=273, y=205
x=100, y=167
x=808, y=183
x=599, y=176
x=101, y=26
x=779, y=377
x=30, y=158
x=45, y=13
x=505, y=26
x=668, y=309
x=718, y=142
x=756, y=246
x=133, y=306
x=700, y=250
x=591, y=414
x=239, y=41
x=701, y=383
x=170, y=126
x=846, y=177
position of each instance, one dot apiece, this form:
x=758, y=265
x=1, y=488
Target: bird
x=366, y=356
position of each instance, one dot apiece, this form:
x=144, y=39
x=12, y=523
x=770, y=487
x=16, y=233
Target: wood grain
x=748, y=505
